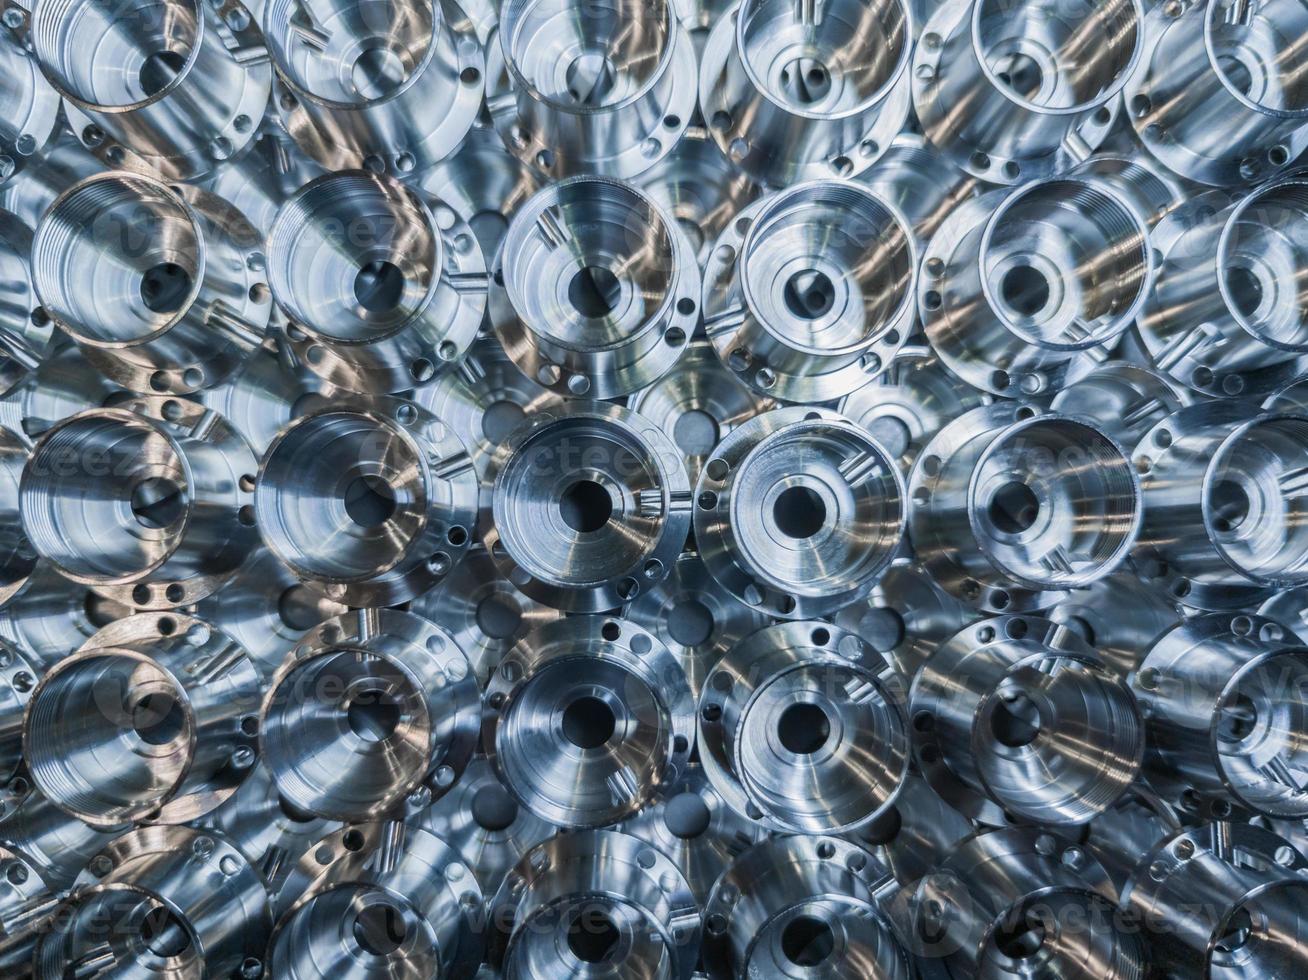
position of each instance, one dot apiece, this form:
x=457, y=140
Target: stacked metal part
x=597, y=488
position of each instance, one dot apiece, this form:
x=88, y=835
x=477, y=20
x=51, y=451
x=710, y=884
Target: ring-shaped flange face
x=798, y=533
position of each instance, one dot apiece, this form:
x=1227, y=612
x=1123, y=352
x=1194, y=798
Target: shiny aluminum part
x=802, y=906
x=153, y=720
x=161, y=286
x=1012, y=506
x=27, y=905
x=1015, y=91
x=921, y=181
x=264, y=395
x=1020, y=902
x=792, y=93
x=62, y=162
x=1025, y=290
x=482, y=610
x=799, y=512
x=369, y=708
x=1289, y=608
x=167, y=87
x=1222, y=529
x=1125, y=400
x=49, y=617
x=1118, y=836
x=587, y=719
x=387, y=85
x=1117, y=617
x=264, y=177
x=368, y=502
x=1019, y=716
x=1154, y=190
x=699, y=187
x=907, y=404
x=383, y=292
x=64, y=384
x=29, y=107
x=603, y=88
x=595, y=903
x=1222, y=900
x=1218, y=94
x=18, y=559
x=808, y=294
x=597, y=288
x=25, y=329
x=590, y=505
x=272, y=833
x=1293, y=398
x=697, y=404
x=379, y=899
x=161, y=902
x=482, y=821
x=1226, y=316
x=697, y=619
x=151, y=505
x=917, y=833
x=1224, y=698
x=58, y=843
x=802, y=728
x=691, y=823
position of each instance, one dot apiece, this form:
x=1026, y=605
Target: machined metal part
x=27, y=905
x=590, y=505
x=1117, y=837
x=596, y=288
x=168, y=87
x=603, y=88
x=1125, y=400
x=593, y=901
x=1039, y=81
x=808, y=294
x=161, y=286
x=262, y=179
x=697, y=404
x=49, y=838
x=1117, y=617
x=799, y=512
x=29, y=107
x=1018, y=715
x=18, y=561
x=922, y=182
x=264, y=395
x=382, y=292
x=60, y=164
x=25, y=329
x=391, y=86
x=1248, y=921
x=795, y=906
x=367, y=502
x=1217, y=94
x=1224, y=698
x=379, y=899
x=1013, y=506
x=695, y=617
x=153, y=720
x=1226, y=316
x=802, y=727
x=1154, y=190
x=588, y=718
x=1221, y=498
x=18, y=678
x=795, y=94
x=916, y=833
x=151, y=505
x=1025, y=290
x=1020, y=902
x=48, y=616
x=158, y=902
x=482, y=821
x=369, y=708
x=64, y=384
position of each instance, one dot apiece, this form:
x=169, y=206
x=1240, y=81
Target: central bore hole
x=377, y=72
x=592, y=937
x=588, y=723
x=373, y=715
x=686, y=815
x=1238, y=929
x=379, y=929
x=594, y=291
x=501, y=418
x=498, y=616
x=585, y=506
x=1016, y=720
x=164, y=287
x=1021, y=73
x=805, y=81
x=809, y=294
x=159, y=69
x=157, y=719
x=799, y=512
x=1013, y=508
x=378, y=286
x=695, y=432
x=590, y=78
x=803, y=728
x=807, y=941
x=1239, y=718
x=493, y=808
x=156, y=503
x=690, y=623
x=163, y=933
x=1025, y=290
x=369, y=501
x=1018, y=940
x=1230, y=505
x=1245, y=289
